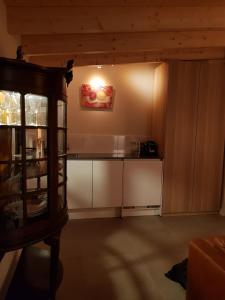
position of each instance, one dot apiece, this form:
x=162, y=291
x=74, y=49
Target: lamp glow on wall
x=96, y=94
x=97, y=83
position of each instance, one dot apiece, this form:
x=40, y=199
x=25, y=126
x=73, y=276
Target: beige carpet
x=125, y=259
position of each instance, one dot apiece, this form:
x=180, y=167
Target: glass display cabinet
x=32, y=153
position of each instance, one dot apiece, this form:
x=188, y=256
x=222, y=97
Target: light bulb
x=97, y=83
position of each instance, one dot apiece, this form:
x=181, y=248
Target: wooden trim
x=120, y=42
x=112, y=212
x=105, y=19
x=93, y=213
x=115, y=2
x=140, y=211
x=124, y=58
x=189, y=214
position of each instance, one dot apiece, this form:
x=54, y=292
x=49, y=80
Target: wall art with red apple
x=96, y=98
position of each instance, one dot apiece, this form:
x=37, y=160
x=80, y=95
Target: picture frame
x=96, y=97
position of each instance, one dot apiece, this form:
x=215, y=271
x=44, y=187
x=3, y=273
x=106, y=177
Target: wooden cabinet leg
x=54, y=243
x=1, y=255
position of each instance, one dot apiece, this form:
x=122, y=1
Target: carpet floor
x=125, y=259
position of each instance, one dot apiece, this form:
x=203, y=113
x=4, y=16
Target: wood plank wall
x=180, y=135
x=209, y=154
x=194, y=138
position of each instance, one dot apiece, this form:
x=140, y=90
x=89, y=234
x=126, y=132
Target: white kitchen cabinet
x=79, y=184
x=142, y=182
x=107, y=183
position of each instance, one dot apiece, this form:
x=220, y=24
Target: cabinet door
x=142, y=182
x=107, y=183
x=180, y=136
x=79, y=184
x=210, y=138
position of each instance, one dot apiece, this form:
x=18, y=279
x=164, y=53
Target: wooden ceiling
x=118, y=31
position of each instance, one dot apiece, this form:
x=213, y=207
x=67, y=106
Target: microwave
x=148, y=149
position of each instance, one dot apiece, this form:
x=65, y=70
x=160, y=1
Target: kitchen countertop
x=99, y=156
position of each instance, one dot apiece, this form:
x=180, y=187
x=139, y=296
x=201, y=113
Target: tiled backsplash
x=84, y=143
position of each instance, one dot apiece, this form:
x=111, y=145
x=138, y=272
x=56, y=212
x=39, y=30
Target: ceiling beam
x=60, y=20
x=115, y=2
x=124, y=58
x=120, y=42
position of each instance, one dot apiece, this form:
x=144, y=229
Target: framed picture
x=96, y=98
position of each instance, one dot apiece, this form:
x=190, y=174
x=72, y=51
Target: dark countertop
x=99, y=156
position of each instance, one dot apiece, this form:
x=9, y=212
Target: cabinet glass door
x=11, y=203
x=36, y=143
x=36, y=113
x=11, y=143
x=61, y=170
x=61, y=107
x=10, y=106
x=36, y=110
x=61, y=123
x=61, y=142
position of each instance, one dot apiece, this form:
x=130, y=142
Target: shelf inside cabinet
x=36, y=127
x=10, y=126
